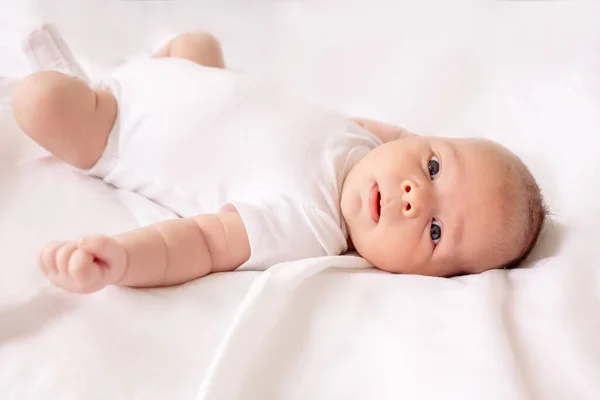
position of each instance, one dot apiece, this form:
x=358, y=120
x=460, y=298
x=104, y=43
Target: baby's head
x=442, y=207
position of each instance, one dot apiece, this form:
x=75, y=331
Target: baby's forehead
x=482, y=153
x=479, y=145
x=489, y=195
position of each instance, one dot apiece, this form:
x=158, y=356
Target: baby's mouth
x=375, y=203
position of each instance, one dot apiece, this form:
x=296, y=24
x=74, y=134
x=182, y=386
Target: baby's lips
x=374, y=203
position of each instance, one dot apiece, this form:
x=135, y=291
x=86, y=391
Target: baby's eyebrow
x=457, y=232
x=459, y=222
x=456, y=158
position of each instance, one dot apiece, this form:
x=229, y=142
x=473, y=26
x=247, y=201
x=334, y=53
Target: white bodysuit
x=193, y=139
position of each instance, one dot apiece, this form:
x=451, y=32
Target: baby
x=259, y=176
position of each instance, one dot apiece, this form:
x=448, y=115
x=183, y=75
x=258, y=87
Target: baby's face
x=429, y=206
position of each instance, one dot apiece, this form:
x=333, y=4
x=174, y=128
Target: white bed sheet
x=524, y=73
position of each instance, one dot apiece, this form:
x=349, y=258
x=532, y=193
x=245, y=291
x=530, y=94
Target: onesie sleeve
x=281, y=230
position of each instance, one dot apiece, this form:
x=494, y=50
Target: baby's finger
x=47, y=258
x=105, y=248
x=63, y=255
x=95, y=245
x=81, y=266
x=57, y=281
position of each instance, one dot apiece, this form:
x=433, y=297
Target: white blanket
x=524, y=73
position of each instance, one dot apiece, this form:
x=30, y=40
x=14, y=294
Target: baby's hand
x=84, y=266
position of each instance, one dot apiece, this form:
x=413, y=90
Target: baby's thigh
x=65, y=116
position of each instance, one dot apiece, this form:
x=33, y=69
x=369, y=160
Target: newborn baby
x=259, y=176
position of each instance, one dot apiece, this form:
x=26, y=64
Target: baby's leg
x=200, y=47
x=65, y=116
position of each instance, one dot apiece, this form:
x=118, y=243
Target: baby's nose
x=414, y=199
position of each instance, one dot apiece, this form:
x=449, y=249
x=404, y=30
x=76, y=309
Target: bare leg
x=65, y=116
x=199, y=47
x=71, y=120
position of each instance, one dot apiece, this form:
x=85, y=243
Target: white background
x=524, y=73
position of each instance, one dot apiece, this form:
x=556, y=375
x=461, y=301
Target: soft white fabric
x=194, y=139
x=524, y=73
x=46, y=50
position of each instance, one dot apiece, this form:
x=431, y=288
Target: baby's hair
x=533, y=212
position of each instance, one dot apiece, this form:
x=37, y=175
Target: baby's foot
x=84, y=266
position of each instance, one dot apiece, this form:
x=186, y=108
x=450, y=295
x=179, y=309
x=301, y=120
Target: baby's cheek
x=393, y=254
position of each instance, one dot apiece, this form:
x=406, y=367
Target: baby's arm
x=162, y=254
x=385, y=132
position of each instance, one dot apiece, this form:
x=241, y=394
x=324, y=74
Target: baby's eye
x=436, y=231
x=434, y=167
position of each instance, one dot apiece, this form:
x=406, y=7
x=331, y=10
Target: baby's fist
x=84, y=266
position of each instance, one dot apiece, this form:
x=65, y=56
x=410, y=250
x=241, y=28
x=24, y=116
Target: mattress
x=526, y=74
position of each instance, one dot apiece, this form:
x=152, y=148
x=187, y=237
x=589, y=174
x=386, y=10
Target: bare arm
x=385, y=132
x=180, y=250
x=162, y=254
